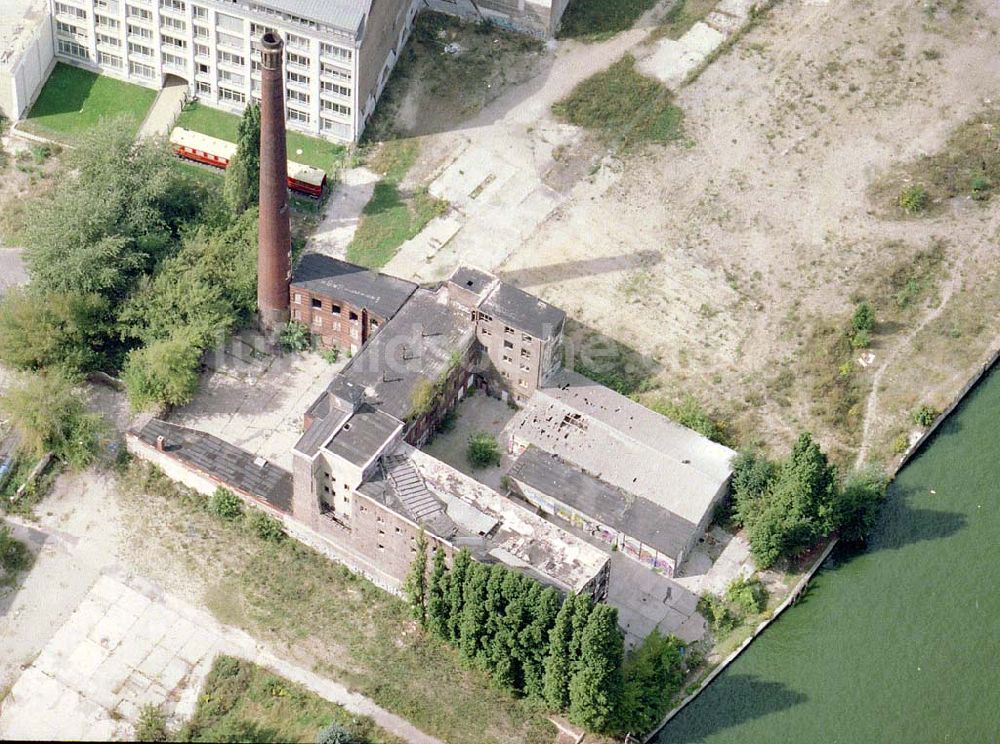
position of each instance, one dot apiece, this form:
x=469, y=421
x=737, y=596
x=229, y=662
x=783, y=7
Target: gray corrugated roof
x=418, y=343
x=364, y=435
x=363, y=288
x=328, y=413
x=634, y=516
x=344, y=14
x=233, y=466
x=523, y=311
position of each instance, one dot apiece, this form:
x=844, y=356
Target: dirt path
x=900, y=347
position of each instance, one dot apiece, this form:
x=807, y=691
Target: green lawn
x=74, y=101
x=244, y=702
x=392, y=216
x=314, y=151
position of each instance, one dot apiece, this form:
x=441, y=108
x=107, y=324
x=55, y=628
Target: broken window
x=353, y=316
x=335, y=309
x=508, y=344
x=526, y=338
x=317, y=303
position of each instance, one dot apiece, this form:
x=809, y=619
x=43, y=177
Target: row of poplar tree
x=567, y=652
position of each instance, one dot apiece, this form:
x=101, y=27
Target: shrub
x=225, y=504
x=690, y=413
x=861, y=339
x=914, y=199
x=331, y=355
x=981, y=186
x=152, y=725
x=924, y=416
x=863, y=318
x=483, y=450
x=163, y=373
x=336, y=734
x=294, y=337
x=720, y=617
x=901, y=443
x=14, y=554
x=748, y=594
x=264, y=526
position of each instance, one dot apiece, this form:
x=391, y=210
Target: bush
x=331, y=355
x=924, y=416
x=225, y=504
x=690, y=413
x=900, y=443
x=861, y=340
x=152, y=725
x=163, y=373
x=14, y=554
x=981, y=186
x=748, y=594
x=914, y=199
x=720, y=617
x=295, y=338
x=483, y=450
x=264, y=526
x=336, y=734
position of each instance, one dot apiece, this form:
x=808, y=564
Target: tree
x=336, y=734
x=582, y=608
x=863, y=318
x=859, y=503
x=557, y=663
x=49, y=414
x=483, y=450
x=437, y=596
x=163, y=373
x=68, y=330
x=473, y=622
x=242, y=185
x=596, y=687
x=653, y=674
x=534, y=638
x=494, y=605
x=753, y=475
x=416, y=582
x=116, y=212
x=456, y=588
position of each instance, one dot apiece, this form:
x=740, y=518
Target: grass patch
x=691, y=413
x=328, y=156
x=327, y=618
x=968, y=165
x=620, y=105
x=75, y=100
x=245, y=702
x=596, y=20
x=392, y=216
x=682, y=15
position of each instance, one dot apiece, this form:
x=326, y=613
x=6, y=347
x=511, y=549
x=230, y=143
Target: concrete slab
x=343, y=213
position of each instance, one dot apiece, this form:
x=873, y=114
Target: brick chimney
x=274, y=252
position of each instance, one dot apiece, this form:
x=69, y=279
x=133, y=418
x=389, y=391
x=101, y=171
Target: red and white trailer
x=216, y=152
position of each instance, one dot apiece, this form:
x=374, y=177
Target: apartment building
x=338, y=53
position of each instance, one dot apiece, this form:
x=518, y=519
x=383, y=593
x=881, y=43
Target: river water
x=900, y=642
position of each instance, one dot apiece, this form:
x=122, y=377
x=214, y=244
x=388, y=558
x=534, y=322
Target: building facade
x=338, y=53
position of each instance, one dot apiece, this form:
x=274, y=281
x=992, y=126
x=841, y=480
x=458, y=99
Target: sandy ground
x=715, y=258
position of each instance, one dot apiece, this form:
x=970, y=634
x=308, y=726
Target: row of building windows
x=73, y=49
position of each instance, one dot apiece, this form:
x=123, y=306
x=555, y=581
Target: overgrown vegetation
x=623, y=108
x=242, y=185
x=924, y=416
x=135, y=267
x=245, y=702
x=449, y=70
x=596, y=20
x=748, y=594
x=787, y=507
x=567, y=653
x=329, y=619
x=483, y=450
x=393, y=215
x=49, y=413
x=152, y=725
x=691, y=413
x=683, y=14
x=295, y=337
x=968, y=165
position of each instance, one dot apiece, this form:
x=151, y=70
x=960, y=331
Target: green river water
x=900, y=643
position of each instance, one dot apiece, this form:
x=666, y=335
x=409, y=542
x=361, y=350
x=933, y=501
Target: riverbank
x=897, y=638
x=802, y=585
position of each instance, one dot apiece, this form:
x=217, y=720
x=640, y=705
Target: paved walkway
x=343, y=213
x=127, y=645
x=164, y=111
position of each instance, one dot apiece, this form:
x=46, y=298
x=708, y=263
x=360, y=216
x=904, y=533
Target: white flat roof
x=625, y=444
x=18, y=21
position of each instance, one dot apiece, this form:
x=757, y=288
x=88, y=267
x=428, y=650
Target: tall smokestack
x=274, y=252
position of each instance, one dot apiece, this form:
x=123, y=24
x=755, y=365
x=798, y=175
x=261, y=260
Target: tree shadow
x=731, y=700
x=901, y=524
